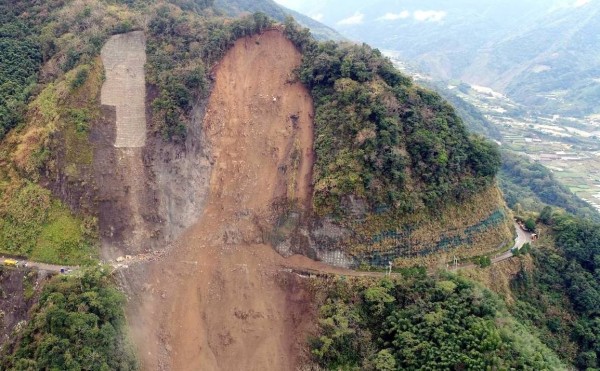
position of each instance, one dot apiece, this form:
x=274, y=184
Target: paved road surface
x=40, y=266
x=521, y=239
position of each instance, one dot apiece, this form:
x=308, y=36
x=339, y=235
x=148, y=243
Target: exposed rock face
x=149, y=191
x=180, y=178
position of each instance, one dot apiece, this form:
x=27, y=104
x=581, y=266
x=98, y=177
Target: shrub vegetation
x=78, y=324
x=419, y=322
x=560, y=296
x=381, y=138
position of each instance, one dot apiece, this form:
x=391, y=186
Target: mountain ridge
x=530, y=51
x=229, y=171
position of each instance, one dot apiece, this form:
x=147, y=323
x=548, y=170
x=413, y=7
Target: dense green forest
x=561, y=295
x=78, y=324
x=20, y=59
x=533, y=186
x=422, y=323
x=372, y=124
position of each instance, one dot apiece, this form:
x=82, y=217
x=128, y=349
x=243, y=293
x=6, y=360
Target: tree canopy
x=378, y=135
x=561, y=295
x=20, y=60
x=78, y=324
x=420, y=323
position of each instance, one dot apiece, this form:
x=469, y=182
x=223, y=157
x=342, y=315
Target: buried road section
x=218, y=300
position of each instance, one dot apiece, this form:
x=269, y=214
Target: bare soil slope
x=218, y=300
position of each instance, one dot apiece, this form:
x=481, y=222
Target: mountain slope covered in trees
x=396, y=178
x=396, y=156
x=19, y=62
x=417, y=322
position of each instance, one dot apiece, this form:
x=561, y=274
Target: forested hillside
x=419, y=322
x=560, y=296
x=77, y=324
x=474, y=119
x=395, y=156
x=530, y=186
x=370, y=115
x=394, y=177
x=19, y=63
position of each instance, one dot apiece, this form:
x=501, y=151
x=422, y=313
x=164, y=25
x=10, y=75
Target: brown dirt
x=218, y=300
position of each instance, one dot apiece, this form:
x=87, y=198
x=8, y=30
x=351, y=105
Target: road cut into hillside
x=218, y=299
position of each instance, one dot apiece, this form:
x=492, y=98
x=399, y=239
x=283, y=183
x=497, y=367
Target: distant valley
x=543, y=54
x=567, y=145
x=527, y=70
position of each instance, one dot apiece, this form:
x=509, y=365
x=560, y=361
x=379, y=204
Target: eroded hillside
x=217, y=301
x=148, y=190
x=212, y=153
x=220, y=160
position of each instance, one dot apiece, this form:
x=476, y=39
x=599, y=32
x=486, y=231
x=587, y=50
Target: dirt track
x=219, y=301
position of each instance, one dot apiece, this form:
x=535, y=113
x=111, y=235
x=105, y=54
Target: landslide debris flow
x=218, y=299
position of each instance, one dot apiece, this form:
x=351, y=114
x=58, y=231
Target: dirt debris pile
x=218, y=300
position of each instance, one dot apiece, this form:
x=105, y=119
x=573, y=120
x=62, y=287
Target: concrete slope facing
x=124, y=199
x=124, y=57
x=218, y=300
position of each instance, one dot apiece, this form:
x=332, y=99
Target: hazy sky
x=330, y=11
x=297, y=4
x=292, y=4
